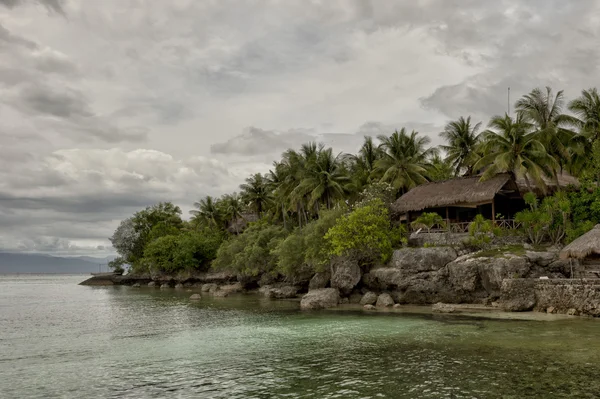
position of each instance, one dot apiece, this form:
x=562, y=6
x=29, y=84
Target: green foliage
x=306, y=246
x=187, y=251
x=365, y=232
x=117, y=264
x=548, y=220
x=251, y=253
x=377, y=191
x=440, y=169
x=427, y=220
x=577, y=230
x=481, y=231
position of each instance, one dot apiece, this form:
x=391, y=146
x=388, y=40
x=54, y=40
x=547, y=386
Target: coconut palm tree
x=405, y=161
x=255, y=192
x=512, y=146
x=232, y=208
x=463, y=139
x=586, y=108
x=207, y=212
x=545, y=112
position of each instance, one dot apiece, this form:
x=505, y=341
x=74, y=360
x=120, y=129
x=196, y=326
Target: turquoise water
x=61, y=340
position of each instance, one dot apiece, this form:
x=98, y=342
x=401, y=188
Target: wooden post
x=494, y=211
x=447, y=219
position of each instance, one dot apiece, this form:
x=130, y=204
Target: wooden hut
x=585, y=248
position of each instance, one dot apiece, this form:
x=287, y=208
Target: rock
x=345, y=274
x=541, y=258
x=179, y=286
x=319, y=280
x=369, y=298
x=136, y=285
x=551, y=309
x=282, y=293
x=195, y=297
x=355, y=297
x=232, y=288
x=397, y=305
x=220, y=293
x=385, y=300
x=152, y=284
x=422, y=259
x=443, y=308
x=211, y=287
x=165, y=285
x=321, y=298
x=528, y=246
x=345, y=301
x=563, y=266
x=518, y=295
x=369, y=307
x=572, y=312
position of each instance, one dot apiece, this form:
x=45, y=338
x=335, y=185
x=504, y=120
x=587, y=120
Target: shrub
x=427, y=220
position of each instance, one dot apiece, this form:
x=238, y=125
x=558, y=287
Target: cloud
x=52, y=5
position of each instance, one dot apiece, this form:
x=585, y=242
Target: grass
x=501, y=252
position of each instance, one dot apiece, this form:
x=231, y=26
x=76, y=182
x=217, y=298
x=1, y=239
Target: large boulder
x=345, y=274
x=385, y=300
x=443, y=308
x=369, y=298
x=414, y=260
x=319, y=280
x=210, y=287
x=541, y=258
x=518, y=295
x=320, y=299
x=232, y=288
x=287, y=291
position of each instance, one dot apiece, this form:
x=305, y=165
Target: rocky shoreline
x=523, y=281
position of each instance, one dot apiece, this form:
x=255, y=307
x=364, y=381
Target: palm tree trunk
x=527, y=183
x=283, y=215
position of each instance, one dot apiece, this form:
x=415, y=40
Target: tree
x=427, y=220
x=511, y=147
x=405, y=161
x=256, y=193
x=365, y=233
x=232, y=209
x=535, y=221
x=440, y=169
x=207, y=212
x=587, y=120
x=463, y=140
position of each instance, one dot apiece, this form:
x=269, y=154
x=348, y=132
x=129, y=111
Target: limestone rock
x=211, y=287
x=345, y=301
x=385, y=300
x=179, y=286
x=288, y=291
x=152, y=284
x=572, y=312
x=345, y=274
x=369, y=298
x=355, y=297
x=415, y=260
x=320, y=299
x=369, y=307
x=232, y=288
x=165, y=285
x=195, y=297
x=220, y=293
x=397, y=305
x=319, y=280
x=551, y=309
x=136, y=285
x=541, y=258
x=518, y=295
x=443, y=308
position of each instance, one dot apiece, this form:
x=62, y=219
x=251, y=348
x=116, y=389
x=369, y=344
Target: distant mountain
x=35, y=263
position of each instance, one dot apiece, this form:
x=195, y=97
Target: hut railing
x=463, y=227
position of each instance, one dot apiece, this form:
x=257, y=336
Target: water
x=61, y=340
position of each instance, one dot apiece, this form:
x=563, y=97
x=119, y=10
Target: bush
x=252, y=252
x=427, y=220
x=186, y=251
x=366, y=232
x=481, y=231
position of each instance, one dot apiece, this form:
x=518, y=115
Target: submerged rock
x=211, y=287
x=385, y=300
x=152, y=284
x=319, y=280
x=369, y=298
x=195, y=297
x=369, y=307
x=220, y=293
x=443, y=308
x=397, y=305
x=288, y=291
x=179, y=286
x=232, y=288
x=320, y=299
x=136, y=285
x=165, y=285
x=345, y=274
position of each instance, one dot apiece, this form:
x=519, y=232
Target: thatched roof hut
x=464, y=191
x=584, y=246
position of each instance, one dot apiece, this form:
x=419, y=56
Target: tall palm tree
x=463, y=139
x=232, y=208
x=441, y=169
x=512, y=146
x=207, y=212
x=545, y=112
x=256, y=193
x=404, y=163
x=586, y=108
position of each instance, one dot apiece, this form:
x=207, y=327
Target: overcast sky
x=109, y=106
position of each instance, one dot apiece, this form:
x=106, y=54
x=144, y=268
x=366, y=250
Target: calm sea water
x=61, y=340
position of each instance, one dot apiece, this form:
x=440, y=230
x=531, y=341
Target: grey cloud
x=254, y=141
x=61, y=102
x=53, y=5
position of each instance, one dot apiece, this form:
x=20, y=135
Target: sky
x=110, y=106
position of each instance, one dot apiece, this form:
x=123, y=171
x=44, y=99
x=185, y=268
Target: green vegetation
x=314, y=204
x=427, y=220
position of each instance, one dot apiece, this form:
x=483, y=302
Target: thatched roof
x=453, y=192
x=564, y=180
x=584, y=246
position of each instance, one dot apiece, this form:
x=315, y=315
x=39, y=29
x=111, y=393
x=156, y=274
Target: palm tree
x=463, y=139
x=232, y=208
x=441, y=169
x=512, y=146
x=544, y=112
x=207, y=211
x=587, y=120
x=256, y=193
x=404, y=163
